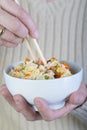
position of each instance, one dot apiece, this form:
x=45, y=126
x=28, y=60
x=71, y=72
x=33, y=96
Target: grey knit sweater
x=62, y=28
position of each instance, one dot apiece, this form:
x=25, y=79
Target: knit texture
x=62, y=28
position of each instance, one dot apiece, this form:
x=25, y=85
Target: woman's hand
x=16, y=24
x=44, y=112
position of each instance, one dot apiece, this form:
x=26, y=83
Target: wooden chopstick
x=17, y=1
x=39, y=51
x=29, y=48
x=26, y=40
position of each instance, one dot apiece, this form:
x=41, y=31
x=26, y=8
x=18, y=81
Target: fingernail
x=36, y=34
x=38, y=103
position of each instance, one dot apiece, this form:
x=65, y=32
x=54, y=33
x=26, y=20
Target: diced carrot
x=27, y=59
x=30, y=70
x=16, y=70
x=66, y=65
x=52, y=67
x=58, y=74
x=27, y=75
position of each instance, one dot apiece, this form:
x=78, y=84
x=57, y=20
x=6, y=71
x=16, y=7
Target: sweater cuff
x=81, y=112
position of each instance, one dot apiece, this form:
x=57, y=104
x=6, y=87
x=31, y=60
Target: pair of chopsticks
x=26, y=41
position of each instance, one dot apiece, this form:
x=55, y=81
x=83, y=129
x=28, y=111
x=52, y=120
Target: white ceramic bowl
x=54, y=91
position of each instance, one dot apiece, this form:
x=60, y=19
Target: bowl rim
x=69, y=62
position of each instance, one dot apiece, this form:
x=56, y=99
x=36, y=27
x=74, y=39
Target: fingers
x=26, y=109
x=4, y=91
x=76, y=99
x=7, y=44
x=10, y=37
x=18, y=24
x=14, y=9
x=20, y=105
x=48, y=114
x=62, y=112
x=13, y=24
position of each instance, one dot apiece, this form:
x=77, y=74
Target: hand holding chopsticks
x=26, y=41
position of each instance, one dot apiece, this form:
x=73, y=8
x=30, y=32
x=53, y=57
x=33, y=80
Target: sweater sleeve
x=81, y=112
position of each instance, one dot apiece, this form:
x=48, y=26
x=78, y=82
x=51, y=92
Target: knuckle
x=19, y=29
x=16, y=26
x=18, y=98
x=19, y=103
x=22, y=11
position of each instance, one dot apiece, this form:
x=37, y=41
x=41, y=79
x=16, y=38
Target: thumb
x=79, y=96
